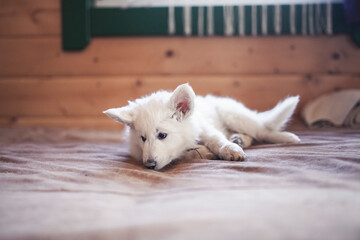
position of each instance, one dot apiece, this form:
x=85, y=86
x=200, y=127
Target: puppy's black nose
x=150, y=164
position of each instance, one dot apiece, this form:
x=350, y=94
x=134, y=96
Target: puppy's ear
x=122, y=115
x=182, y=101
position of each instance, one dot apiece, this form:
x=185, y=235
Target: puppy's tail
x=276, y=118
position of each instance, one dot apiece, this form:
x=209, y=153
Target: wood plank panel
x=99, y=122
x=129, y=56
x=89, y=96
x=30, y=17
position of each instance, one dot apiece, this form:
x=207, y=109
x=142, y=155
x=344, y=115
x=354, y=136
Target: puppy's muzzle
x=150, y=164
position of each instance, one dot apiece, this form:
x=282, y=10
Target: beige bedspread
x=72, y=184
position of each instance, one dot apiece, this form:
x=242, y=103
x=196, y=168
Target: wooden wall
x=42, y=85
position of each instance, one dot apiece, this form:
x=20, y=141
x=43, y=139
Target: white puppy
x=164, y=125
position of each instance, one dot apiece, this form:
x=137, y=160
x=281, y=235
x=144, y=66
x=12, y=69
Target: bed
x=82, y=184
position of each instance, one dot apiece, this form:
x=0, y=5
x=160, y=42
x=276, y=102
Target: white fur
x=188, y=119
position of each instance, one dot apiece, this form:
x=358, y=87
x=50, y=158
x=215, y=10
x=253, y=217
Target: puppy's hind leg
x=278, y=137
x=217, y=143
x=242, y=140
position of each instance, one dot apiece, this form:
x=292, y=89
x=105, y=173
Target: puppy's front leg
x=217, y=142
x=199, y=152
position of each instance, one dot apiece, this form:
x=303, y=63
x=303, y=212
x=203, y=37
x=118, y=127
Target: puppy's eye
x=162, y=136
x=143, y=138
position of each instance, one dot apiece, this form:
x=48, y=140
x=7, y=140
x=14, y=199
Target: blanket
x=82, y=184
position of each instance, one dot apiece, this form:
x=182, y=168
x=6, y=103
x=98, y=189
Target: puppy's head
x=161, y=125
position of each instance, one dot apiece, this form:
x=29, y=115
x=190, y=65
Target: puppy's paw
x=200, y=152
x=242, y=140
x=290, y=137
x=232, y=152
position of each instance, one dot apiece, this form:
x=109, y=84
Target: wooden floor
x=42, y=85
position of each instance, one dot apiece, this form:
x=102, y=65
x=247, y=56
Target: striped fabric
x=200, y=18
x=312, y=17
x=307, y=19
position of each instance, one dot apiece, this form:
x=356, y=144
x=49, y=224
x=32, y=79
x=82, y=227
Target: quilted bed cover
x=81, y=184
